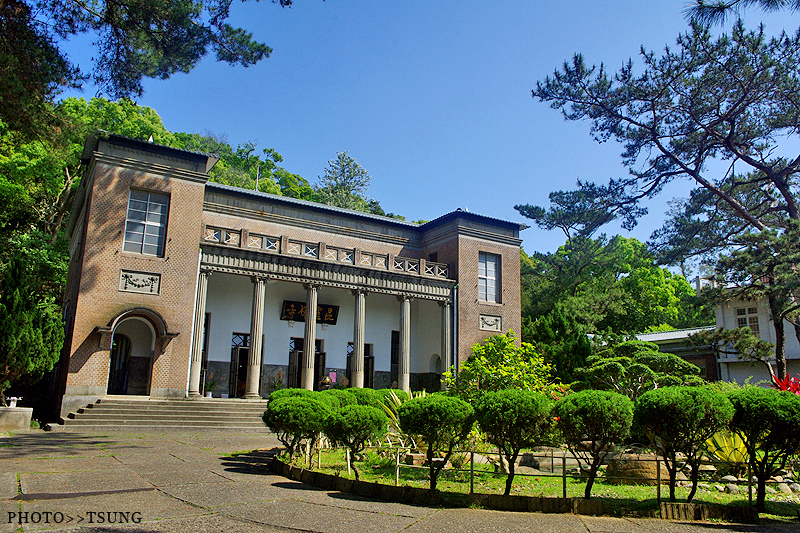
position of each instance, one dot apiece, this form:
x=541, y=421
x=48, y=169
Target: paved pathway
x=195, y=482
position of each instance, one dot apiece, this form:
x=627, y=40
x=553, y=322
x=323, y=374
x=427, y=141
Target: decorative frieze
x=141, y=282
x=491, y=323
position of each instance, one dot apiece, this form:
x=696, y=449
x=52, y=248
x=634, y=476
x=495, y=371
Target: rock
x=730, y=488
x=795, y=487
x=630, y=469
x=729, y=479
x=719, y=488
x=706, y=471
x=784, y=488
x=770, y=490
x=779, y=479
x=529, y=459
x=703, y=486
x=415, y=459
x=753, y=479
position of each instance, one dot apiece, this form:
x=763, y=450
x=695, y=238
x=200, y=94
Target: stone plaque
x=141, y=282
x=491, y=323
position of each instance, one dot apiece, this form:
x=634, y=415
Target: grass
x=620, y=500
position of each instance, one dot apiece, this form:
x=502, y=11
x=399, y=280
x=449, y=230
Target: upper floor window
x=747, y=317
x=488, y=277
x=146, y=223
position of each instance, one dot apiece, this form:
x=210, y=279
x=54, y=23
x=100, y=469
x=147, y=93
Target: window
x=146, y=224
x=747, y=317
x=488, y=277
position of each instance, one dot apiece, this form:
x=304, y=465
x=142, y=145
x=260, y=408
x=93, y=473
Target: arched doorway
x=131, y=358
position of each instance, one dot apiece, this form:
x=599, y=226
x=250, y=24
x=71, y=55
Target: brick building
x=176, y=282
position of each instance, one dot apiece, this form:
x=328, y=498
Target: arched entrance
x=135, y=338
x=131, y=360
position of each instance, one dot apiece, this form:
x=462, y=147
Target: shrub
x=289, y=393
x=681, y=420
x=768, y=421
x=366, y=397
x=590, y=421
x=512, y=420
x=352, y=426
x=294, y=418
x=500, y=364
x=442, y=421
x=338, y=397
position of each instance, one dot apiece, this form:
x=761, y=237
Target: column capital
x=312, y=285
x=404, y=297
x=255, y=278
x=445, y=303
x=206, y=271
x=356, y=292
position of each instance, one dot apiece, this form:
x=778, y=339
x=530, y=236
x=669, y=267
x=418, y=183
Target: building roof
x=460, y=213
x=673, y=335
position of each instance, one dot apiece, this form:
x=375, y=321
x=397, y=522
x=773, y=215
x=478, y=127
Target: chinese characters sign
x=326, y=314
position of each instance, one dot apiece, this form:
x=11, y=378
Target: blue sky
x=432, y=98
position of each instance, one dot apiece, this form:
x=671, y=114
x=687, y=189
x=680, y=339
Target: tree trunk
x=593, y=468
x=694, y=475
x=512, y=464
x=780, y=338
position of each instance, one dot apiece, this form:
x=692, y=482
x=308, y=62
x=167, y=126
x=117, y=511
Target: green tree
x=31, y=329
x=344, y=183
x=768, y=421
x=634, y=367
x=718, y=10
x=679, y=420
x=590, y=422
x=512, y=420
x=608, y=284
x=499, y=363
x=442, y=421
x=353, y=426
x=562, y=341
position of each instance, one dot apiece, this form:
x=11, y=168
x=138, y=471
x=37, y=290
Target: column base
x=195, y=396
x=252, y=396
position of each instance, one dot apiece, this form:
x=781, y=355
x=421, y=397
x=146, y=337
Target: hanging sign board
x=296, y=311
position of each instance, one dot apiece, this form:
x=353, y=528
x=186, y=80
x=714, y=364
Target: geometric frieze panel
x=491, y=323
x=141, y=282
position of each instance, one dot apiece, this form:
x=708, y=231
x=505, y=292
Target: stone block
x=15, y=418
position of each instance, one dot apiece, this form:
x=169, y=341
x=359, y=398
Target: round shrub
x=513, y=419
x=681, y=420
x=339, y=397
x=288, y=393
x=295, y=418
x=352, y=426
x=366, y=397
x=442, y=421
x=590, y=421
x=768, y=421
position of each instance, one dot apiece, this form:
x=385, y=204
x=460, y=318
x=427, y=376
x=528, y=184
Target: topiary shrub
x=442, y=421
x=590, y=421
x=366, y=397
x=352, y=426
x=681, y=420
x=294, y=418
x=513, y=419
x=288, y=393
x=768, y=421
x=339, y=397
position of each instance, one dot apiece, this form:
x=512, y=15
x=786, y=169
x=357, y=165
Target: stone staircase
x=161, y=415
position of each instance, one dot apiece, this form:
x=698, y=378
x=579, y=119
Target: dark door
x=238, y=381
x=395, y=362
x=120, y=357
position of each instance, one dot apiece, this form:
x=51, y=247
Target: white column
x=447, y=335
x=404, y=366
x=310, y=338
x=357, y=360
x=256, y=333
x=197, y=335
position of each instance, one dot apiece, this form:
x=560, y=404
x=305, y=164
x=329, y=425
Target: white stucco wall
x=230, y=299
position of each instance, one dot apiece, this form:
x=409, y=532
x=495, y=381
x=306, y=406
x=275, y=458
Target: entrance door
x=238, y=380
x=296, y=362
x=120, y=356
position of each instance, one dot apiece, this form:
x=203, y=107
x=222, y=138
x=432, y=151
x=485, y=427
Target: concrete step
x=140, y=413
